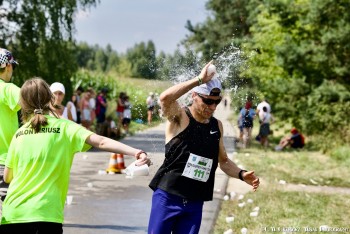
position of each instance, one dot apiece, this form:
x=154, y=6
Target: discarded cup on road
x=226, y=197
x=102, y=172
x=69, y=200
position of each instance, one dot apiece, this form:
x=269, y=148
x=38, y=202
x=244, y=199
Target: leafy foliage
x=297, y=54
x=39, y=33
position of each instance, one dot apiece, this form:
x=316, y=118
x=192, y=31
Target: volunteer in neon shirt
x=9, y=98
x=39, y=161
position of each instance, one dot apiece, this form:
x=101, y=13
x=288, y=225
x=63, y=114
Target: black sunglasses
x=13, y=66
x=209, y=101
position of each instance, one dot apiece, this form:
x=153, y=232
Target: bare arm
x=231, y=169
x=109, y=145
x=69, y=111
x=168, y=103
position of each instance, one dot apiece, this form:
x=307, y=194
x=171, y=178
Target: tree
x=142, y=58
x=42, y=37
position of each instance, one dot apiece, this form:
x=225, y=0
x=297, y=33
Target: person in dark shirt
x=296, y=140
x=193, y=150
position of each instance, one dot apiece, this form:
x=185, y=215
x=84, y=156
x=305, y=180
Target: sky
x=123, y=23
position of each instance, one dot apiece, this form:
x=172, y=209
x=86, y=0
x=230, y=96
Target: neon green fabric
x=41, y=166
x=9, y=97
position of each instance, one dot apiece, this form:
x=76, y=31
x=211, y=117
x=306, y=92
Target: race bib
x=198, y=168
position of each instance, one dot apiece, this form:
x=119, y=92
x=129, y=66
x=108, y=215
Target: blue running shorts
x=173, y=214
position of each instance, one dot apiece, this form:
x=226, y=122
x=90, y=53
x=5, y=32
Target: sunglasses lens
x=13, y=66
x=208, y=101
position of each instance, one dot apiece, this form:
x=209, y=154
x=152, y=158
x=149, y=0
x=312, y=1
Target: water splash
x=227, y=62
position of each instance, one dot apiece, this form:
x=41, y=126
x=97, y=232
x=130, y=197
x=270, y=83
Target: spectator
x=261, y=105
x=295, y=141
x=113, y=130
x=247, y=116
x=127, y=115
x=67, y=112
x=264, y=131
x=101, y=108
x=150, y=101
x=76, y=100
x=9, y=106
x=85, y=109
x=120, y=108
x=39, y=173
x=92, y=103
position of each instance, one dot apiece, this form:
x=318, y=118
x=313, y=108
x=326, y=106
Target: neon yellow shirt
x=9, y=97
x=41, y=166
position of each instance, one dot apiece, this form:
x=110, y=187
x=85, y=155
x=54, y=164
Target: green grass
x=296, y=167
x=278, y=208
x=283, y=208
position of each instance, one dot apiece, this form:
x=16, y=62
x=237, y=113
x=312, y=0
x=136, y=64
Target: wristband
x=240, y=174
x=199, y=80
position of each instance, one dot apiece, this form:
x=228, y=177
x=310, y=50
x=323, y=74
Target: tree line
x=296, y=54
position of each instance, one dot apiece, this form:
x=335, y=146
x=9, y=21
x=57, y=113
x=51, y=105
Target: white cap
x=57, y=87
x=211, y=88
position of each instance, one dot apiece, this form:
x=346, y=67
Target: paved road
x=116, y=204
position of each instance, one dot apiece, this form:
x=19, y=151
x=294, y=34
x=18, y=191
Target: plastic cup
x=229, y=219
x=69, y=200
x=140, y=170
x=133, y=170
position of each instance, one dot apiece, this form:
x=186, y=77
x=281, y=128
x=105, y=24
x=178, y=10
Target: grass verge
x=281, y=211
x=285, y=211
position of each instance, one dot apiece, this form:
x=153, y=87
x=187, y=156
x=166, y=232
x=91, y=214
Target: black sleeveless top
x=199, y=139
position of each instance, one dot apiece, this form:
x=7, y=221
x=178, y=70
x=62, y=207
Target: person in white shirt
x=150, y=101
x=126, y=115
x=67, y=112
x=264, y=131
x=259, y=108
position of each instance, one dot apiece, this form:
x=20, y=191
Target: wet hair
x=36, y=100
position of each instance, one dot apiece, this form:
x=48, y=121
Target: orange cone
x=120, y=161
x=113, y=164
